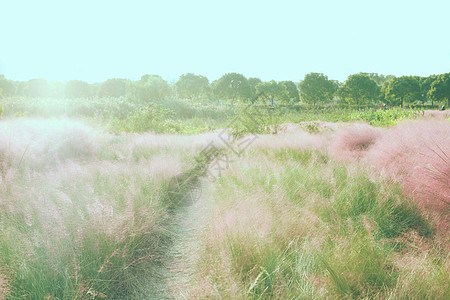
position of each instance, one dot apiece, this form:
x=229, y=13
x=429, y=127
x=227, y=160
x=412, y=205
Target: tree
x=425, y=86
x=405, y=89
x=233, y=86
x=37, y=88
x=7, y=88
x=152, y=87
x=440, y=88
x=253, y=82
x=115, y=87
x=359, y=89
x=317, y=88
x=292, y=91
x=379, y=79
x=191, y=86
x=78, y=89
x=272, y=91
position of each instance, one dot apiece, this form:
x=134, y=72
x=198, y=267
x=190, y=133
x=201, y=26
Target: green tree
x=317, y=88
x=425, y=86
x=292, y=91
x=57, y=89
x=440, y=89
x=191, y=86
x=233, y=86
x=78, y=89
x=401, y=90
x=37, y=87
x=253, y=82
x=7, y=88
x=379, y=79
x=359, y=90
x=272, y=91
x=115, y=87
x=151, y=88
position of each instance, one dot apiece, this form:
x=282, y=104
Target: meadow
x=108, y=199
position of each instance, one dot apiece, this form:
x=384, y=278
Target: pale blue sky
x=281, y=40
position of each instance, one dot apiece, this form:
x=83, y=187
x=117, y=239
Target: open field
x=255, y=150
x=120, y=203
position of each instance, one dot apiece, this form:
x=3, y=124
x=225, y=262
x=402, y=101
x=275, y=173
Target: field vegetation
x=114, y=191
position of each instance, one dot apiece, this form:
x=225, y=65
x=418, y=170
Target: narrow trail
x=180, y=262
x=175, y=270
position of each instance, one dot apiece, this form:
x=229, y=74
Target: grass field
x=106, y=199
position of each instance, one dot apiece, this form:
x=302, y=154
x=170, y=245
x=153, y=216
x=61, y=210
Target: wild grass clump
x=294, y=223
x=354, y=141
x=43, y=143
x=417, y=155
x=90, y=222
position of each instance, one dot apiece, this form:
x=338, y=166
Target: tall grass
x=83, y=213
x=296, y=224
x=416, y=154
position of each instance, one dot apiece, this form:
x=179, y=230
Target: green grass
x=90, y=225
x=385, y=117
x=85, y=215
x=294, y=224
x=190, y=117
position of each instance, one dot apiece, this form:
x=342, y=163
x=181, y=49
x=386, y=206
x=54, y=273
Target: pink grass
x=417, y=154
x=354, y=141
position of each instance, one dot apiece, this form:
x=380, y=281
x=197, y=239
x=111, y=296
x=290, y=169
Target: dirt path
x=171, y=278
x=189, y=220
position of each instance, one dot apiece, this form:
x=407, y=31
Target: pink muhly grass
x=354, y=141
x=417, y=155
x=436, y=114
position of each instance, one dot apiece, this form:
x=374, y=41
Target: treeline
x=362, y=89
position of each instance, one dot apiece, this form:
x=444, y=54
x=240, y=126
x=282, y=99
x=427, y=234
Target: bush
x=385, y=117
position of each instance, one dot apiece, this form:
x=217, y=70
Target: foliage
x=292, y=91
x=153, y=118
x=37, y=88
x=115, y=87
x=273, y=92
x=405, y=89
x=78, y=89
x=191, y=86
x=311, y=127
x=425, y=86
x=385, y=117
x=149, y=118
x=440, y=88
x=7, y=88
x=151, y=88
x=233, y=86
x=317, y=88
x=359, y=90
x=253, y=82
x=256, y=119
x=380, y=79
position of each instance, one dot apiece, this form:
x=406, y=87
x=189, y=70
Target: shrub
x=385, y=117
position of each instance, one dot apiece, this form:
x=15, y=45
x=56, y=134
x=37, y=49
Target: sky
x=280, y=40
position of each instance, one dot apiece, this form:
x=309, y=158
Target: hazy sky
x=281, y=40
